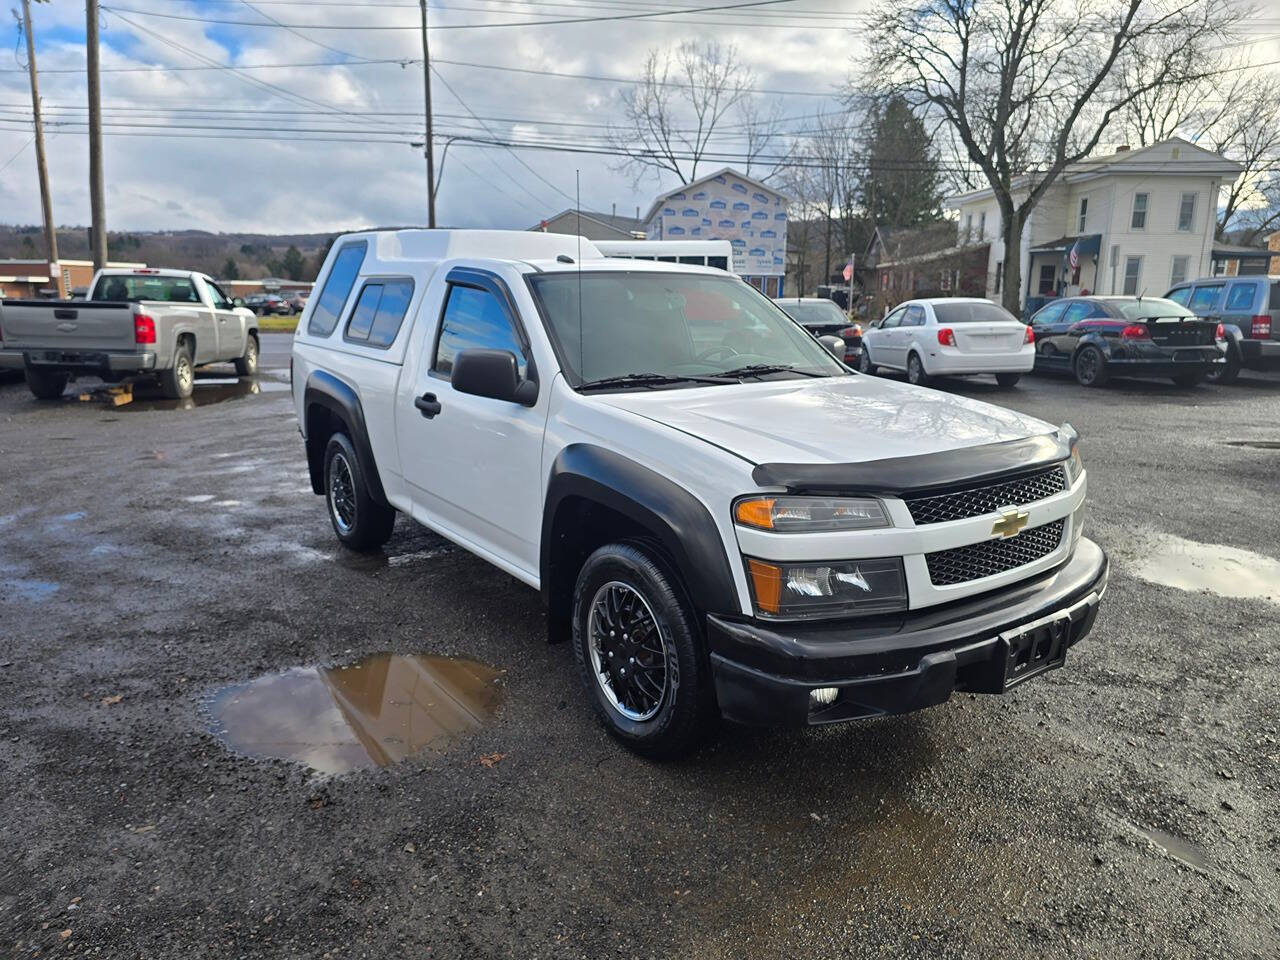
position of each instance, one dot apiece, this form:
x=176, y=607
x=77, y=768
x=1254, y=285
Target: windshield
x=673, y=325
x=980, y=312
x=822, y=311
x=1148, y=308
x=122, y=289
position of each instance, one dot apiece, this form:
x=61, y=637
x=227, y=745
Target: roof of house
x=657, y=203
x=627, y=225
x=900, y=243
x=1145, y=160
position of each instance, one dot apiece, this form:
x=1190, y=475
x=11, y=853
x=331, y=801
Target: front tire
x=180, y=379
x=247, y=365
x=361, y=523
x=916, y=374
x=640, y=653
x=46, y=386
x=1228, y=372
x=1090, y=367
x=1008, y=380
x=864, y=362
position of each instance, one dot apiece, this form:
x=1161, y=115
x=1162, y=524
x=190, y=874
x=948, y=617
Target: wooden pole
x=426, y=85
x=42, y=169
x=98, y=233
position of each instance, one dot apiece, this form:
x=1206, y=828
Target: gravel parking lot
x=154, y=554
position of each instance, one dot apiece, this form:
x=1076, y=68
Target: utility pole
x=98, y=233
x=426, y=86
x=46, y=204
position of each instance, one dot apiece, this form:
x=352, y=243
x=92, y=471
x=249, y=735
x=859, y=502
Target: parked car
x=823, y=318
x=1249, y=308
x=295, y=300
x=1096, y=338
x=949, y=336
x=144, y=321
x=267, y=304
x=719, y=514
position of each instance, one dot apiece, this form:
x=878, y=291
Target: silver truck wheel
x=179, y=380
x=247, y=365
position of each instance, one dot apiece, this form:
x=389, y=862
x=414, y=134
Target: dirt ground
x=153, y=554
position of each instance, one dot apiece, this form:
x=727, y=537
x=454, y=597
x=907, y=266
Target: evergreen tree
x=230, y=271
x=902, y=187
x=293, y=263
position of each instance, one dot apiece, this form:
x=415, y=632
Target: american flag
x=847, y=273
x=1073, y=257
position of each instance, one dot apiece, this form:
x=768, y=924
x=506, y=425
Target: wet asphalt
x=151, y=555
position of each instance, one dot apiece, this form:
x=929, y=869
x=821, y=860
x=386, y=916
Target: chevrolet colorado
x=724, y=518
x=142, y=321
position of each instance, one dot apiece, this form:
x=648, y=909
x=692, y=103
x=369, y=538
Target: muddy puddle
x=1226, y=571
x=372, y=713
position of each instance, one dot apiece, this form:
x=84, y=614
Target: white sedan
x=949, y=336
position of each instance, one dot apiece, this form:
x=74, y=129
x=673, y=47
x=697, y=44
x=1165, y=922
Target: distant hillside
x=253, y=255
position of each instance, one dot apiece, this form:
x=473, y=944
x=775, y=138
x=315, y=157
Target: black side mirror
x=834, y=345
x=494, y=374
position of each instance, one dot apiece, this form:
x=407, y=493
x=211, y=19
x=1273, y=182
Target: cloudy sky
x=290, y=145
x=303, y=136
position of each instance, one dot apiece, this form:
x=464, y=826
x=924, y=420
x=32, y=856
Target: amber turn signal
x=755, y=513
x=766, y=580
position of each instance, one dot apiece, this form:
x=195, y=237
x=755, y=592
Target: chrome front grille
x=977, y=560
x=976, y=501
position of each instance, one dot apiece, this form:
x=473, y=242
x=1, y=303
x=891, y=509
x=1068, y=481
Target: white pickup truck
x=136, y=322
x=724, y=518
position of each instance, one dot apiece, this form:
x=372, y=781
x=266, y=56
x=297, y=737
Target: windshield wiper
x=645, y=380
x=758, y=369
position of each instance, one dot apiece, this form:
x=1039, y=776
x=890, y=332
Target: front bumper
x=89, y=361
x=1260, y=354
x=764, y=672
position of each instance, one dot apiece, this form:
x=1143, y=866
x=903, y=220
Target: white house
x=728, y=205
x=1139, y=220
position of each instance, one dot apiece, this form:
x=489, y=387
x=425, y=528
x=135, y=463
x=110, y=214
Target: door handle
x=427, y=404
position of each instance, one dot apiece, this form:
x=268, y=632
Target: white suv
x=949, y=336
x=724, y=518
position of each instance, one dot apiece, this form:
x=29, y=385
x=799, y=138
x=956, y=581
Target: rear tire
x=1008, y=380
x=1228, y=372
x=360, y=522
x=1188, y=380
x=629, y=615
x=180, y=379
x=46, y=386
x=247, y=365
x=916, y=375
x=864, y=362
x=1090, y=367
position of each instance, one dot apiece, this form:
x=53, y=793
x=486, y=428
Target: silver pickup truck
x=163, y=323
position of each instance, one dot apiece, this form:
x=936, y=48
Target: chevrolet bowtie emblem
x=1011, y=522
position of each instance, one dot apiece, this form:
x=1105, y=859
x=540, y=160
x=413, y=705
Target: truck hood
x=848, y=419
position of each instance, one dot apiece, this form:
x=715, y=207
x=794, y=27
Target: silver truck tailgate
x=68, y=325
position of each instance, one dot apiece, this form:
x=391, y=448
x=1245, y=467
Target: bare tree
x=682, y=103
x=1234, y=112
x=1029, y=87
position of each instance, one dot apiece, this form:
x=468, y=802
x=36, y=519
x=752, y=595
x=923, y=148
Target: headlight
x=1074, y=466
x=809, y=514
x=827, y=589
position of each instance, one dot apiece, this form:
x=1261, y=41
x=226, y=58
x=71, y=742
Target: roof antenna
x=577, y=203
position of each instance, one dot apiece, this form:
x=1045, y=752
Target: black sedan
x=823, y=318
x=1096, y=338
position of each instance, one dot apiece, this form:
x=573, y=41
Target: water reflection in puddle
x=370, y=714
x=1176, y=847
x=1226, y=571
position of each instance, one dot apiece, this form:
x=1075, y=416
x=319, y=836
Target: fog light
x=823, y=697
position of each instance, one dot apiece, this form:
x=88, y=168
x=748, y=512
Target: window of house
x=1139, y=219
x=982, y=225
x=1084, y=213
x=945, y=280
x=1132, y=275
x=999, y=275
x=1179, y=272
x=474, y=318
x=378, y=312
x=968, y=227
x=1187, y=212
x=1048, y=273
x=1241, y=297
x=337, y=287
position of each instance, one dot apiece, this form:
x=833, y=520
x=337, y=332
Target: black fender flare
x=340, y=399
x=676, y=519
x=1235, y=336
